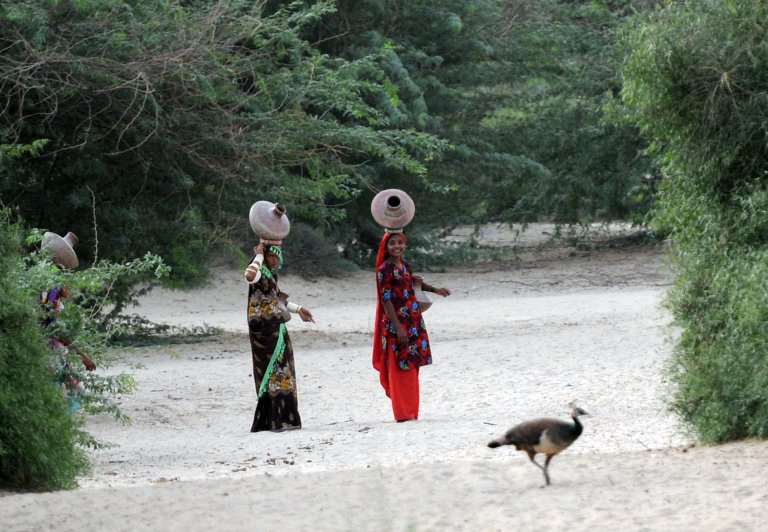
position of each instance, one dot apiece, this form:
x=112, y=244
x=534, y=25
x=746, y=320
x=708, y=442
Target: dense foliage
x=519, y=89
x=38, y=437
x=45, y=390
x=160, y=124
x=157, y=123
x=577, y=161
x=696, y=78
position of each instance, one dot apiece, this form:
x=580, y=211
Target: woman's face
x=396, y=246
x=271, y=260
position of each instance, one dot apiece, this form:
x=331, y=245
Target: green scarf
x=275, y=250
x=277, y=354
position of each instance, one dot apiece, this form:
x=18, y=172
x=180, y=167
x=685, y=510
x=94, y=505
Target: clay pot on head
x=392, y=209
x=269, y=221
x=62, y=248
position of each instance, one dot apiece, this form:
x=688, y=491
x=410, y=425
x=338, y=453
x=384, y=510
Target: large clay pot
x=62, y=248
x=392, y=208
x=269, y=221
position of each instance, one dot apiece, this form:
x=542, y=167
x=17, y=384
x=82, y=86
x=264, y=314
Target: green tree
x=518, y=88
x=163, y=123
x=695, y=79
x=562, y=73
x=160, y=122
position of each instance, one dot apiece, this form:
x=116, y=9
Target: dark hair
x=382, y=254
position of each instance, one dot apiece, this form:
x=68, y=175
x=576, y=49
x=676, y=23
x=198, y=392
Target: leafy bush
x=720, y=366
x=695, y=80
x=42, y=435
x=91, y=316
x=38, y=437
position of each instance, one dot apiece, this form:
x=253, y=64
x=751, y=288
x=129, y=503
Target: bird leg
x=532, y=457
x=546, y=467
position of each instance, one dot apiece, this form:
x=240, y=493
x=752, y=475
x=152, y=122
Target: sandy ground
x=513, y=342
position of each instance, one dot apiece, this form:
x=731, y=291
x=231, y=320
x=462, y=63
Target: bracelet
x=293, y=307
x=255, y=270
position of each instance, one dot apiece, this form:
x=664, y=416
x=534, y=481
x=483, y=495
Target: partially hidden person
x=401, y=343
x=274, y=371
x=60, y=341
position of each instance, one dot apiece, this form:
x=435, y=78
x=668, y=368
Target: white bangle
x=293, y=307
x=255, y=269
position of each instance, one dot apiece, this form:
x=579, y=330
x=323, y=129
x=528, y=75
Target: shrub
x=695, y=79
x=38, y=437
x=42, y=437
x=91, y=316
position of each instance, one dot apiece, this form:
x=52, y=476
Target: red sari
x=399, y=367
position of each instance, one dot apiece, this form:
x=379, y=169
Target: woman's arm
x=389, y=310
x=253, y=271
x=439, y=291
x=384, y=287
x=88, y=362
x=303, y=312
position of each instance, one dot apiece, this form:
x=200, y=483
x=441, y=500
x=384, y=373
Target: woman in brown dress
x=274, y=370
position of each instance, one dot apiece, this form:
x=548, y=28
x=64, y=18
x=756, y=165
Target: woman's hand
x=306, y=315
x=258, y=249
x=88, y=362
x=429, y=288
x=402, y=336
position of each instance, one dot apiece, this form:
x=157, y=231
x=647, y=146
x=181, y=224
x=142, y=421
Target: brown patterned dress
x=277, y=409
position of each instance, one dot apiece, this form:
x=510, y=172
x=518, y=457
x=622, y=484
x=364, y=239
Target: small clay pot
x=392, y=209
x=269, y=220
x=62, y=248
x=421, y=297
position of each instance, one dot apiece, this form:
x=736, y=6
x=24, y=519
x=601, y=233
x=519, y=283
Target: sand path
x=510, y=343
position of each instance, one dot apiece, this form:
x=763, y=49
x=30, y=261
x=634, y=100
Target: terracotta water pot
x=269, y=221
x=421, y=297
x=392, y=209
x=62, y=248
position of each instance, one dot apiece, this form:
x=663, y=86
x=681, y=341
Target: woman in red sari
x=401, y=344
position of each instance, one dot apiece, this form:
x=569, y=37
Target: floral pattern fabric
x=265, y=303
x=395, y=284
x=65, y=376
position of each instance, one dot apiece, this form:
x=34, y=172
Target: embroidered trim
x=277, y=354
